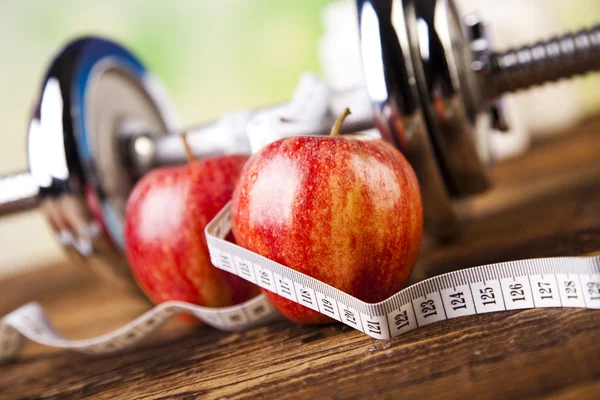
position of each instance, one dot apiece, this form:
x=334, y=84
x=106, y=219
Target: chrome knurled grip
x=547, y=61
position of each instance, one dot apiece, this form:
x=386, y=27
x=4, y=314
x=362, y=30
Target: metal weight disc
x=442, y=63
x=92, y=92
x=391, y=82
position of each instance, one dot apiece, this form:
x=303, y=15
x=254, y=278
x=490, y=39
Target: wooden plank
x=533, y=353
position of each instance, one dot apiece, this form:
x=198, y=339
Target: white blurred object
x=305, y=112
x=339, y=54
x=308, y=112
x=543, y=110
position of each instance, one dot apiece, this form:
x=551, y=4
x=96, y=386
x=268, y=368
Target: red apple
x=343, y=209
x=165, y=218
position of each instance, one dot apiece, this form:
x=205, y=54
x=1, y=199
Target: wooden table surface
x=546, y=203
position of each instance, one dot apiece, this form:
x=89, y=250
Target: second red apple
x=164, y=233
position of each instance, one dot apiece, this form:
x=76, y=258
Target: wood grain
x=543, y=353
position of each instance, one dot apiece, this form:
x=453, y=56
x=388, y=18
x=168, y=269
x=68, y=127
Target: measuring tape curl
x=535, y=283
x=30, y=321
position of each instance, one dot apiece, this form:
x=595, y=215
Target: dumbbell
x=102, y=120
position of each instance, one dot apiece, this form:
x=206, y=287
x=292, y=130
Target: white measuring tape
x=536, y=283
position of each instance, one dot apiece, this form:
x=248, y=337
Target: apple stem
x=188, y=150
x=335, y=130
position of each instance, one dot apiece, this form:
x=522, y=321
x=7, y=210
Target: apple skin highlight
x=343, y=209
x=164, y=232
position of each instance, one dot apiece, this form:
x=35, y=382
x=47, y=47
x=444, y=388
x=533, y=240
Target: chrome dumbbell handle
x=160, y=150
x=312, y=110
x=547, y=61
x=18, y=192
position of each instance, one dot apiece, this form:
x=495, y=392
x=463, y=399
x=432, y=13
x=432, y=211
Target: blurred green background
x=212, y=56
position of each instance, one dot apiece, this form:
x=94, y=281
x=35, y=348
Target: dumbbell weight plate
x=92, y=88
